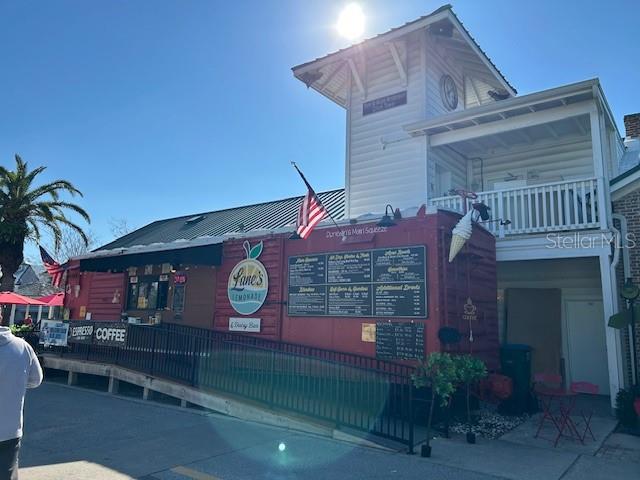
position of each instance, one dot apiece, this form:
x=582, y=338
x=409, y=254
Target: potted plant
x=470, y=371
x=627, y=407
x=438, y=373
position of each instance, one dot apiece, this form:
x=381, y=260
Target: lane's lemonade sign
x=248, y=282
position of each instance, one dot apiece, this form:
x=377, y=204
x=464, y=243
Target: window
x=147, y=293
x=178, y=300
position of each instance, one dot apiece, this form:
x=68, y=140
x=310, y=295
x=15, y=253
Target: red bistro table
x=557, y=406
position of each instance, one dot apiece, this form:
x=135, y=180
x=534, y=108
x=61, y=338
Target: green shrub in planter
x=625, y=411
x=439, y=374
x=21, y=330
x=470, y=370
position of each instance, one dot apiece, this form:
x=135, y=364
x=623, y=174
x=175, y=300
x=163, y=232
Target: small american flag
x=311, y=210
x=53, y=268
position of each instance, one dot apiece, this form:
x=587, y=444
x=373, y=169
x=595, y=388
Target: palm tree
x=27, y=209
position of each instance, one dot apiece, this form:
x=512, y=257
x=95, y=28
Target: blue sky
x=158, y=108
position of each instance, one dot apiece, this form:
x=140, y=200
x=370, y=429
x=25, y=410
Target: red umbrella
x=53, y=300
x=12, y=298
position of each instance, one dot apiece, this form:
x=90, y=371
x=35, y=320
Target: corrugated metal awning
x=197, y=255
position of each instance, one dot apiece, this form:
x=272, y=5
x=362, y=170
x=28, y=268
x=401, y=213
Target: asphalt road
x=71, y=433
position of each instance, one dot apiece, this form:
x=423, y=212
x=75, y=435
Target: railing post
x=196, y=361
x=411, y=420
x=337, y=397
x=601, y=204
x=272, y=376
x=153, y=351
x=500, y=215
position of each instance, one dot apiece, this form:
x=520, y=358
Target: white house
x=428, y=112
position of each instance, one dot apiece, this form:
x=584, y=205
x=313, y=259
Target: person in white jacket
x=19, y=370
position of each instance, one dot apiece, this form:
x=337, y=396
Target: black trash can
x=515, y=360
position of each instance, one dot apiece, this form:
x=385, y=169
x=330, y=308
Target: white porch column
x=598, y=168
x=612, y=335
x=12, y=316
x=430, y=172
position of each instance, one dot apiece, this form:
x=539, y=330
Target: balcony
x=557, y=206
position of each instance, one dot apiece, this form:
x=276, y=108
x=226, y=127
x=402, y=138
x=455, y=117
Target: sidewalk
x=517, y=461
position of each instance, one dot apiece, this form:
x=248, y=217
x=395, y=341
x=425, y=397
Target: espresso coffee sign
x=81, y=332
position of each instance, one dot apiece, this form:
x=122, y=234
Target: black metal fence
x=345, y=389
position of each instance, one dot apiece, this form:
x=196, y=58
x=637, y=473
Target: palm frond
x=64, y=221
x=26, y=209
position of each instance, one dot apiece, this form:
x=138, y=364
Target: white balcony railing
x=568, y=205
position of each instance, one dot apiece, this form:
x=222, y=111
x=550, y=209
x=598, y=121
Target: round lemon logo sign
x=248, y=282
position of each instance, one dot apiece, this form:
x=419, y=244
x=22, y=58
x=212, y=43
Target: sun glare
x=351, y=22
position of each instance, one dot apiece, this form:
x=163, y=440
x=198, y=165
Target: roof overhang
x=626, y=183
x=203, y=255
x=200, y=251
x=513, y=113
x=328, y=74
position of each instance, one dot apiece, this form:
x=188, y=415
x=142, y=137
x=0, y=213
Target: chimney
x=632, y=125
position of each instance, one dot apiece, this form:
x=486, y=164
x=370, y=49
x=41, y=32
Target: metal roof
x=261, y=216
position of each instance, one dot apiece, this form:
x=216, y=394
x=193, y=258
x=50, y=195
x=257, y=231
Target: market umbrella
x=12, y=298
x=53, y=300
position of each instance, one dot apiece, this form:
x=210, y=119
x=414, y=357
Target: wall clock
x=449, y=92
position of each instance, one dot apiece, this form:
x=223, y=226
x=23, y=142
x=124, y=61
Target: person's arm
x=35, y=371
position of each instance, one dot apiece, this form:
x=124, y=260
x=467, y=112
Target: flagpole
x=319, y=201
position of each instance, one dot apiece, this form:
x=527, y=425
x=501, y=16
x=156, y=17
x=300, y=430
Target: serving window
x=148, y=292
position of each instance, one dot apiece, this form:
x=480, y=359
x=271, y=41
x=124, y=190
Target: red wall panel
x=272, y=258
x=471, y=275
x=102, y=294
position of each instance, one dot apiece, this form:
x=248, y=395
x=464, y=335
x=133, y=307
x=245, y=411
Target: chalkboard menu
x=307, y=300
x=400, y=340
x=386, y=282
x=349, y=300
x=307, y=270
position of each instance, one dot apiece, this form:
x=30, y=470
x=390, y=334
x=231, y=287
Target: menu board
x=350, y=300
x=399, y=265
x=349, y=267
x=386, y=282
x=308, y=270
x=307, y=300
x=400, y=340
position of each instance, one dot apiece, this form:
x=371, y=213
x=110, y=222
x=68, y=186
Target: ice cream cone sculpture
x=461, y=233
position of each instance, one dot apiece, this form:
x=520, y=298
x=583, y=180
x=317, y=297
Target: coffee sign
x=470, y=312
x=248, y=282
x=81, y=332
x=110, y=334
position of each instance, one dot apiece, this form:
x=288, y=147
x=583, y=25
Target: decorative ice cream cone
x=461, y=233
x=457, y=242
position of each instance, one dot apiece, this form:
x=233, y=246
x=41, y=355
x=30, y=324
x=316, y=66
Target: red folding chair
x=591, y=389
x=544, y=384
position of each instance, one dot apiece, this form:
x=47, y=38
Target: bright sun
x=351, y=22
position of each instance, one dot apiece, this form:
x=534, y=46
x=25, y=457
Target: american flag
x=53, y=268
x=311, y=210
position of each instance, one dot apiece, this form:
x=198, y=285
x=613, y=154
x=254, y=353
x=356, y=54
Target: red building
x=384, y=291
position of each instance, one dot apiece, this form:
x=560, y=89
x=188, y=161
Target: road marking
x=187, y=472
